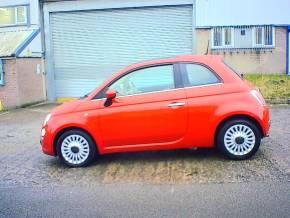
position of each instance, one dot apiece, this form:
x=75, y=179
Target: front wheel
x=238, y=139
x=76, y=148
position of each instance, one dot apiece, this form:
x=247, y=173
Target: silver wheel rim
x=75, y=149
x=239, y=139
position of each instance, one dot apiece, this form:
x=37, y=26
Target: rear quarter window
x=196, y=75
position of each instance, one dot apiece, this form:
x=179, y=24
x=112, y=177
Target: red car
x=182, y=102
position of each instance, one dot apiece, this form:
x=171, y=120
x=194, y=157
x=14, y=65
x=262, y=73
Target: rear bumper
x=266, y=122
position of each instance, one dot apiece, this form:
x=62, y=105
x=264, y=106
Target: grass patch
x=271, y=86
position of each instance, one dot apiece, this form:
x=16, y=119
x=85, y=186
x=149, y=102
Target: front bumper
x=46, y=141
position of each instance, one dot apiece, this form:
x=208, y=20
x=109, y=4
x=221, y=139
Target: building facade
x=21, y=64
x=86, y=41
x=251, y=35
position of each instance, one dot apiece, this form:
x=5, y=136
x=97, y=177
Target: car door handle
x=176, y=104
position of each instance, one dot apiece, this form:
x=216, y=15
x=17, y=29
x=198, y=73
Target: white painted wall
x=34, y=12
x=242, y=12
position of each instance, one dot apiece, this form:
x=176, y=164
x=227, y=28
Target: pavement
x=178, y=183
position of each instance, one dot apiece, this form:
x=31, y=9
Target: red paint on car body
x=145, y=122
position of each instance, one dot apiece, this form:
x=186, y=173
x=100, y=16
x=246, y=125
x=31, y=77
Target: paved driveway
x=22, y=163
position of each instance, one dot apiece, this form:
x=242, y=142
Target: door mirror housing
x=111, y=94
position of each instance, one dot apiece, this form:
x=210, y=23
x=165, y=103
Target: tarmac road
x=254, y=199
x=183, y=183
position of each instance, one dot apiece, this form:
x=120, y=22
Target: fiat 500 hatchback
x=182, y=102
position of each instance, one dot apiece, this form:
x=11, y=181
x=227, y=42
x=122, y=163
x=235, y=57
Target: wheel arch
x=61, y=131
x=238, y=116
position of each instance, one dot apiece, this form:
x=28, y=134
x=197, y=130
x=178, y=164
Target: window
x=228, y=36
x=263, y=36
x=259, y=36
x=13, y=16
x=196, y=75
x=217, y=37
x=1, y=73
x=268, y=35
x=222, y=37
x=150, y=79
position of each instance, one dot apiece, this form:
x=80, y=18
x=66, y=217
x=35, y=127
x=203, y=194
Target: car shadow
x=166, y=167
x=157, y=156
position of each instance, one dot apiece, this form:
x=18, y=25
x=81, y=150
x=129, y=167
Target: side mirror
x=110, y=94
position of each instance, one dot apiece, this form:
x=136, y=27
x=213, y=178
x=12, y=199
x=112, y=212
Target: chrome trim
x=177, y=104
x=199, y=86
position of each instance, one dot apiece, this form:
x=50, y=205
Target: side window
x=149, y=79
x=196, y=75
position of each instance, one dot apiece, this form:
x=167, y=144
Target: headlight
x=43, y=132
x=47, y=118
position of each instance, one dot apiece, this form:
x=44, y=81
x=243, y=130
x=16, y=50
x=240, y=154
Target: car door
x=204, y=94
x=149, y=110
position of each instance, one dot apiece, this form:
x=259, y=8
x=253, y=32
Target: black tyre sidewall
x=221, y=133
x=92, y=153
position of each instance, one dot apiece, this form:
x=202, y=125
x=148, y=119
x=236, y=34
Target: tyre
x=238, y=139
x=75, y=148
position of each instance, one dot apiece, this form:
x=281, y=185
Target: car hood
x=66, y=107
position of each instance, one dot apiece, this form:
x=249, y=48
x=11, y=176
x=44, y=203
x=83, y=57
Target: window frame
x=185, y=79
x=17, y=23
x=255, y=45
x=223, y=45
x=176, y=78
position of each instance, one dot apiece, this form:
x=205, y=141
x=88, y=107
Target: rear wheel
x=238, y=139
x=76, y=148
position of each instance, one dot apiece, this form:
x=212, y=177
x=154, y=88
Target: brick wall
x=9, y=92
x=22, y=83
x=249, y=61
x=30, y=82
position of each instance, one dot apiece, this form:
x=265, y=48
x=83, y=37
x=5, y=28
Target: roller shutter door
x=88, y=46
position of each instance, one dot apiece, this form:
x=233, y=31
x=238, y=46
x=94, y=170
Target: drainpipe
x=287, y=51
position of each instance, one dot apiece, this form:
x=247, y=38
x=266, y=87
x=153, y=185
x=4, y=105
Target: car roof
x=184, y=58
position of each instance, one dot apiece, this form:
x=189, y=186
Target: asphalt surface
x=182, y=183
x=132, y=200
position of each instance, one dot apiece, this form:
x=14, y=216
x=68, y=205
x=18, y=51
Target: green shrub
x=272, y=86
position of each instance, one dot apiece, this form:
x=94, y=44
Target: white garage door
x=88, y=46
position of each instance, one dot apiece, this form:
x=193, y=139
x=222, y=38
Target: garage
x=87, y=46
